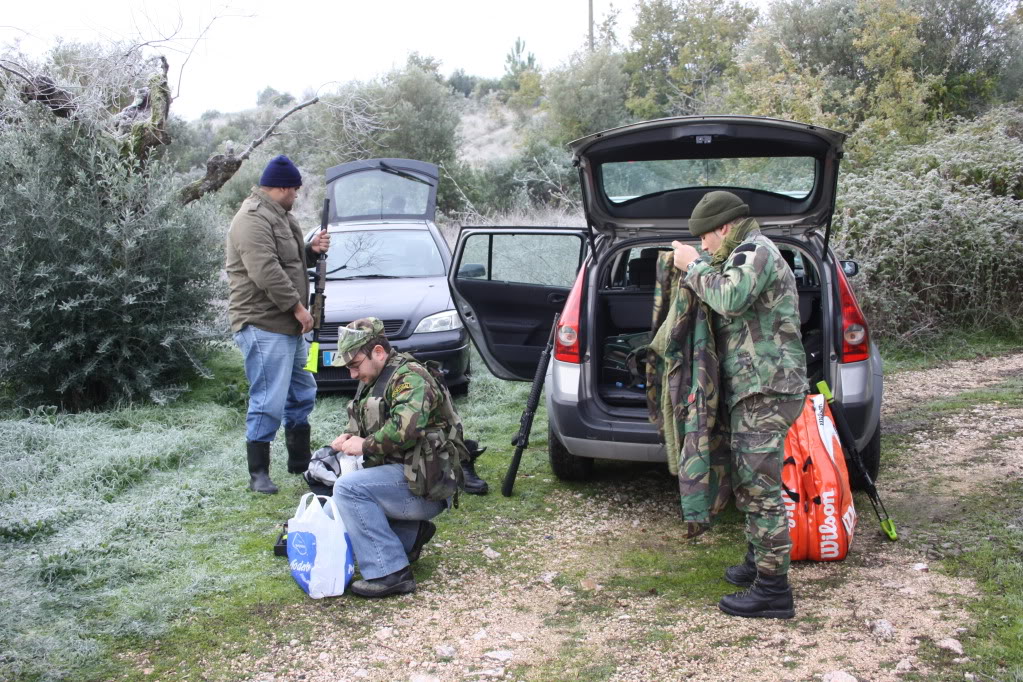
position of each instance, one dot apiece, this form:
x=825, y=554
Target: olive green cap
x=714, y=210
x=352, y=338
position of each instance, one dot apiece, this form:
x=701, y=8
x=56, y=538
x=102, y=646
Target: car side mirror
x=472, y=270
x=850, y=268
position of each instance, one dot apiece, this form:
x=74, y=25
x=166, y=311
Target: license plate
x=328, y=357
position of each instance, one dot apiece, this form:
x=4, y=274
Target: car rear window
x=789, y=176
x=376, y=192
x=383, y=253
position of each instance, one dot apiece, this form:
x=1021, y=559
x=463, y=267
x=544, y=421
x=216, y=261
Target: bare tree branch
x=221, y=167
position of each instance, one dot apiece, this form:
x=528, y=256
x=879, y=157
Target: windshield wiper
x=374, y=276
x=400, y=173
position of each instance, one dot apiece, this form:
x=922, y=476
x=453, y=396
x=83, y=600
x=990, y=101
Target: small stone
x=882, y=629
x=839, y=676
x=482, y=634
x=788, y=659
x=921, y=567
x=293, y=642
x=518, y=637
x=384, y=633
x=445, y=650
x=324, y=656
x=419, y=677
x=960, y=660
x=492, y=672
x=903, y=666
x=147, y=671
x=491, y=554
x=589, y=584
x=970, y=677
x=949, y=644
x=549, y=576
x=361, y=672
x=501, y=655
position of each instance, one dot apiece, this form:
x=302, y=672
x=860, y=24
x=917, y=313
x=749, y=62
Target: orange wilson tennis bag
x=815, y=486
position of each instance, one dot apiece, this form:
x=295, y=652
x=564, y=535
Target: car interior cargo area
x=623, y=315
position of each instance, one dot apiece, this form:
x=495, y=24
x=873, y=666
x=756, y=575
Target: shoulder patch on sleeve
x=749, y=246
x=400, y=388
x=738, y=260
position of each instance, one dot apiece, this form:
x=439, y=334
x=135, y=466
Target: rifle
x=319, y=298
x=849, y=444
x=521, y=441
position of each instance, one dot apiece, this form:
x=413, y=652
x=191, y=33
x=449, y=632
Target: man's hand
x=339, y=441
x=321, y=242
x=353, y=446
x=303, y=317
x=684, y=255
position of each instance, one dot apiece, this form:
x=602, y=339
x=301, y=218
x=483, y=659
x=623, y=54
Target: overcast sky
x=299, y=45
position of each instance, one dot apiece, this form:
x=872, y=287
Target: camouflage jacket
x=757, y=322
x=683, y=396
x=407, y=418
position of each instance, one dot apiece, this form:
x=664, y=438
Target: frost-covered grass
x=121, y=527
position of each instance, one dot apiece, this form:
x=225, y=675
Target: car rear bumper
x=587, y=430
x=450, y=349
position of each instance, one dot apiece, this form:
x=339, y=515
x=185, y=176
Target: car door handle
x=556, y=298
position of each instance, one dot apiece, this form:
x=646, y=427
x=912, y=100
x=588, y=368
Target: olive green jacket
x=266, y=266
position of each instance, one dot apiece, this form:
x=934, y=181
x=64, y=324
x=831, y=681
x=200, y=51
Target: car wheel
x=564, y=464
x=871, y=458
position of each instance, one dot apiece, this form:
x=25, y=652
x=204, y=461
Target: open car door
x=508, y=283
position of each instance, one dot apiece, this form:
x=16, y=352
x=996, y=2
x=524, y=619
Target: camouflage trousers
x=758, y=427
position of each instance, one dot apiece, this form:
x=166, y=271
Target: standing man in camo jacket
x=404, y=425
x=752, y=290
x=267, y=258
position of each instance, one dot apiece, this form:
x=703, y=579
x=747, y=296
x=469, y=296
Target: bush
x=106, y=282
x=938, y=232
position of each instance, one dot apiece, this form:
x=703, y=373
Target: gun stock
x=319, y=298
x=521, y=440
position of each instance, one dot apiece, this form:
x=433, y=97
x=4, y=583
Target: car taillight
x=566, y=341
x=855, y=335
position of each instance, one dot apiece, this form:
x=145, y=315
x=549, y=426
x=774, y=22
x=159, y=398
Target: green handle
x=822, y=388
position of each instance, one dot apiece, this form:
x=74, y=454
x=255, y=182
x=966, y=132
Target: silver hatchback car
x=640, y=184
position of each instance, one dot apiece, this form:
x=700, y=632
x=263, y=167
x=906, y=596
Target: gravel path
x=521, y=610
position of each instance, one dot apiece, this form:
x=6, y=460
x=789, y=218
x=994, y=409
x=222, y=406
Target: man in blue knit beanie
x=269, y=289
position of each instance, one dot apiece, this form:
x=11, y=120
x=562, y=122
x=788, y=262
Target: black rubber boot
x=473, y=484
x=399, y=582
x=426, y=532
x=743, y=575
x=259, y=467
x=769, y=597
x=299, y=454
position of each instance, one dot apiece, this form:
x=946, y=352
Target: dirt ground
x=537, y=620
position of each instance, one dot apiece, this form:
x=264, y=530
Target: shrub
x=105, y=280
x=938, y=232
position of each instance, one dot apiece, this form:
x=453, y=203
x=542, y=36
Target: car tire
x=871, y=458
x=564, y=464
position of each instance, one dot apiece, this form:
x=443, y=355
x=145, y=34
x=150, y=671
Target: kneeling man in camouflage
x=404, y=425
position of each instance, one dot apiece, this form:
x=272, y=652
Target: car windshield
x=380, y=192
x=790, y=176
x=356, y=254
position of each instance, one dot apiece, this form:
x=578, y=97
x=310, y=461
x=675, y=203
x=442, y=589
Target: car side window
x=543, y=259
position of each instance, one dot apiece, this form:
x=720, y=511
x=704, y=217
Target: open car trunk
x=623, y=314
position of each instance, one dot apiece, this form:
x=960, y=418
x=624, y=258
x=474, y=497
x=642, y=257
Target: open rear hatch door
x=381, y=189
x=646, y=178
x=508, y=283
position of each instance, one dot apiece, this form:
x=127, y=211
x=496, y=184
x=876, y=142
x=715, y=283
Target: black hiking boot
x=769, y=597
x=472, y=483
x=425, y=534
x=297, y=440
x=399, y=582
x=743, y=575
x=259, y=467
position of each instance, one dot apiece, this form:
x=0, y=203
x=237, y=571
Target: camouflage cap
x=352, y=338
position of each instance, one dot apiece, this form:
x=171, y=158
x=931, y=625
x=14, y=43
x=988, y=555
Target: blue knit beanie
x=280, y=172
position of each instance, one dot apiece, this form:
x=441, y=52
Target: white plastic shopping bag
x=319, y=551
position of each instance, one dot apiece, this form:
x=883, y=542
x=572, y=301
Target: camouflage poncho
x=683, y=397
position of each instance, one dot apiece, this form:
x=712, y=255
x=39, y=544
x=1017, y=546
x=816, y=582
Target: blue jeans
x=381, y=516
x=279, y=387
